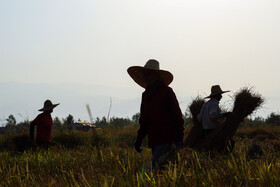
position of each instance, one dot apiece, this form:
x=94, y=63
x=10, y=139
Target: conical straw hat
x=215, y=90
x=137, y=73
x=48, y=106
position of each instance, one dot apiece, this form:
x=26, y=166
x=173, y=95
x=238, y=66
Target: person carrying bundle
x=211, y=132
x=210, y=114
x=44, y=124
x=160, y=115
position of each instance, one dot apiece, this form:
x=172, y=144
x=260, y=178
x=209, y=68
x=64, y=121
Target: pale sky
x=233, y=43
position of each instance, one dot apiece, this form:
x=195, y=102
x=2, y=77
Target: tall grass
x=116, y=163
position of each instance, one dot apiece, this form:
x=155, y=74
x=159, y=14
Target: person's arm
x=214, y=111
x=177, y=116
x=142, y=132
x=31, y=133
x=34, y=123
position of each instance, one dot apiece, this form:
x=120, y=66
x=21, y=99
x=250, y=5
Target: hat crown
x=216, y=89
x=48, y=103
x=152, y=64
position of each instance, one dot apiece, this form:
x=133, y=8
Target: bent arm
x=177, y=115
x=214, y=111
x=143, y=131
x=31, y=133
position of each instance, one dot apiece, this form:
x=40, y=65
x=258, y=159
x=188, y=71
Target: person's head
x=48, y=107
x=218, y=97
x=151, y=78
x=49, y=111
x=216, y=92
x=149, y=74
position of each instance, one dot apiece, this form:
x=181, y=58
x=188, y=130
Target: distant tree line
x=11, y=124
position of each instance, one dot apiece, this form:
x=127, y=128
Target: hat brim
x=49, y=108
x=137, y=74
x=211, y=95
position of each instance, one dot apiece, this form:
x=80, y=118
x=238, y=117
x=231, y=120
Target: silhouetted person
x=43, y=123
x=210, y=114
x=160, y=115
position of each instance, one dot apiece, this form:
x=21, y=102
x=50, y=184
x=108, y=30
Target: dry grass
x=115, y=165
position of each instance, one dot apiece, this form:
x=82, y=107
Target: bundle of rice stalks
x=195, y=132
x=194, y=108
x=246, y=102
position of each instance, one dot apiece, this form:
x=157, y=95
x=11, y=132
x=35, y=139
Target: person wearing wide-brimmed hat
x=43, y=123
x=210, y=114
x=160, y=115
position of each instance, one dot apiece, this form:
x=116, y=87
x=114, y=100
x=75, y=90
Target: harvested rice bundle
x=196, y=130
x=246, y=102
x=194, y=108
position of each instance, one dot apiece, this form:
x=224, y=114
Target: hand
x=223, y=115
x=137, y=145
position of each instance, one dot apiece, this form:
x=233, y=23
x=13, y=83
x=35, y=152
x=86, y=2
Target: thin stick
x=108, y=117
x=89, y=113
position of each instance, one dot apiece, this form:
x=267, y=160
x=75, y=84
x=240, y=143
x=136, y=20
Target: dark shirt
x=160, y=116
x=44, y=125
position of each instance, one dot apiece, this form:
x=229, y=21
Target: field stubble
x=107, y=158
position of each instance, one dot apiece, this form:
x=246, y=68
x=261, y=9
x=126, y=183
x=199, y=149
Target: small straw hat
x=137, y=73
x=48, y=106
x=216, y=90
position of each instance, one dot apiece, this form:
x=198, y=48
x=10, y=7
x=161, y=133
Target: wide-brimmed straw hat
x=48, y=106
x=137, y=73
x=216, y=90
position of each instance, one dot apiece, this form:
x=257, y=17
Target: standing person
x=160, y=115
x=210, y=114
x=44, y=124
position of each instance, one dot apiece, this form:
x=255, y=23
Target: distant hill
x=23, y=100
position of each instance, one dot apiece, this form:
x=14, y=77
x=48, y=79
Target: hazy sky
x=233, y=43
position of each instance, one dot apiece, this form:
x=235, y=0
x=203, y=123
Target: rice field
x=107, y=158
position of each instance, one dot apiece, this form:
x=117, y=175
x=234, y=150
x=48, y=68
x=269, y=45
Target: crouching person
x=43, y=123
x=160, y=115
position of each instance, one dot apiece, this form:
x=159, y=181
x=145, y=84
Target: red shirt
x=160, y=116
x=44, y=125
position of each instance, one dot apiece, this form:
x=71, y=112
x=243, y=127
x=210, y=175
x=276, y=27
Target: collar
x=154, y=87
x=213, y=99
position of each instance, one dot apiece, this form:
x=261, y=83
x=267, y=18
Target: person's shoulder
x=169, y=92
x=213, y=102
x=144, y=93
x=44, y=115
x=39, y=117
x=168, y=88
